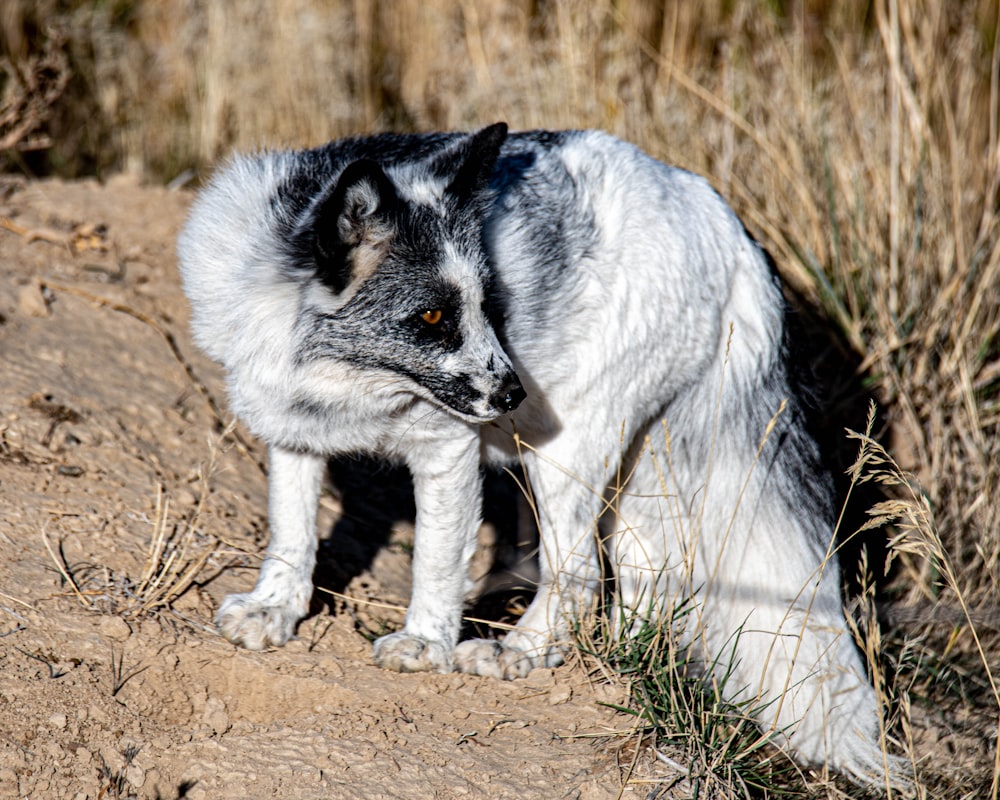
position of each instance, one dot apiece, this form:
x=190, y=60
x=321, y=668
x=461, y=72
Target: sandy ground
x=128, y=512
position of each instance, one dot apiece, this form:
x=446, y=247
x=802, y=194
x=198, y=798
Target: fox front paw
x=255, y=625
x=493, y=659
x=402, y=652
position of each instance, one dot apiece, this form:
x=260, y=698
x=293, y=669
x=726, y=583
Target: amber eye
x=433, y=316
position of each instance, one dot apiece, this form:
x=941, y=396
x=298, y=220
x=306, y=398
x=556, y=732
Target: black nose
x=509, y=396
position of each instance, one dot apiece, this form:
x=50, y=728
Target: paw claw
x=492, y=659
x=402, y=652
x=255, y=625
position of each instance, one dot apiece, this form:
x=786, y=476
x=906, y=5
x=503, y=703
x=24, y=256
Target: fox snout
x=509, y=396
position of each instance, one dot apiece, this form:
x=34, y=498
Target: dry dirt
x=128, y=512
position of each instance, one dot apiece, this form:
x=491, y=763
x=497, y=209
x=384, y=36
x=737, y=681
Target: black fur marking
x=480, y=155
x=391, y=336
x=447, y=332
x=548, y=201
x=314, y=172
x=362, y=200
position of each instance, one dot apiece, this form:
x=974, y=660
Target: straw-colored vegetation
x=179, y=554
x=860, y=141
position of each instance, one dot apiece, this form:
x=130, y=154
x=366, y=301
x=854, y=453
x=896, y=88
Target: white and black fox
x=562, y=299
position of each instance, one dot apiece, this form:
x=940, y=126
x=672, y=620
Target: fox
x=563, y=301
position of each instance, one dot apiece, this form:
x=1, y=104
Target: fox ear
x=481, y=155
x=355, y=213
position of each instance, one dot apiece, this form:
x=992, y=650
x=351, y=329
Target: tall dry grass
x=860, y=141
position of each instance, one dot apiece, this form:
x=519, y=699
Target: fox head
x=402, y=282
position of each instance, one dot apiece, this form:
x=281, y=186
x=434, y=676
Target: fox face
x=402, y=284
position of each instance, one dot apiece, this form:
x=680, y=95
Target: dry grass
x=32, y=86
x=180, y=554
x=860, y=141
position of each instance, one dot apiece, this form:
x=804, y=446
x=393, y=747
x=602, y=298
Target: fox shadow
x=836, y=388
x=375, y=496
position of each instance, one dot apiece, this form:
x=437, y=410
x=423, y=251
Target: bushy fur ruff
x=426, y=297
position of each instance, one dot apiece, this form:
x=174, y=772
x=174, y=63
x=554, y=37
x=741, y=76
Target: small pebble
x=31, y=300
x=115, y=628
x=560, y=695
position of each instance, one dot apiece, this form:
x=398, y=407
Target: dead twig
x=53, y=672
x=118, y=675
x=64, y=570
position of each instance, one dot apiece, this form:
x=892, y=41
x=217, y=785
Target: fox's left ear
x=480, y=156
x=355, y=213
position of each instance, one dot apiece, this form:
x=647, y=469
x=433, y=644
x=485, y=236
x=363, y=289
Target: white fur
x=667, y=330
